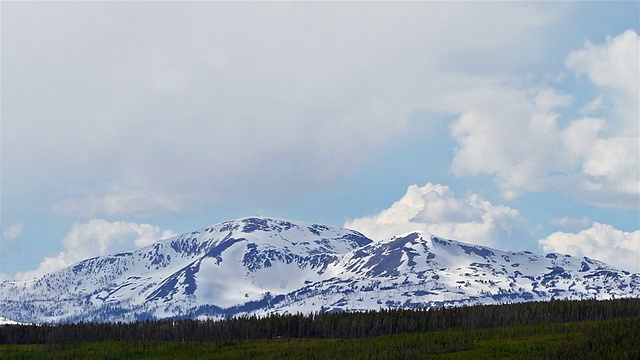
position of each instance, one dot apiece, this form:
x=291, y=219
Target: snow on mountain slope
x=5, y=321
x=420, y=270
x=227, y=264
x=263, y=265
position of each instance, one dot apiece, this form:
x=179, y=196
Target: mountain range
x=261, y=265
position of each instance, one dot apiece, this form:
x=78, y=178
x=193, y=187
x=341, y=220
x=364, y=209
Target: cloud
x=435, y=209
x=98, y=237
x=13, y=232
x=613, y=66
x=226, y=99
x=508, y=133
x=592, y=106
x=8, y=244
x=512, y=132
x=602, y=242
x=566, y=222
x=143, y=203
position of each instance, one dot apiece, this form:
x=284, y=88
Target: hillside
x=264, y=265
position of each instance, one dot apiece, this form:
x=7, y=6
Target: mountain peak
x=258, y=265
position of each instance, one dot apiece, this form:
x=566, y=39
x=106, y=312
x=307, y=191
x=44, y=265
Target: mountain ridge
x=261, y=265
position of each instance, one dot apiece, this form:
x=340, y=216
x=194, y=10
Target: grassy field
x=608, y=339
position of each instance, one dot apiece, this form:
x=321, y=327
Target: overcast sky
x=508, y=124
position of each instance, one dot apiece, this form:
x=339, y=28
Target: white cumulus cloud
x=614, y=65
x=436, y=209
x=514, y=134
x=98, y=237
x=509, y=133
x=602, y=242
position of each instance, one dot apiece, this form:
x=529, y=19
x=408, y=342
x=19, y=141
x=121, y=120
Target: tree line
x=325, y=325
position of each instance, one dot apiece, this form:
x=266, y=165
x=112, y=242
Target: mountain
x=261, y=265
x=5, y=321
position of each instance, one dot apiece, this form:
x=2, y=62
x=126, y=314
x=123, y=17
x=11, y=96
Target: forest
x=553, y=329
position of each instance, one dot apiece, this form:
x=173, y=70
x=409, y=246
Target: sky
x=513, y=125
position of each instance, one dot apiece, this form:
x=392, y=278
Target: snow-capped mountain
x=5, y=321
x=262, y=265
